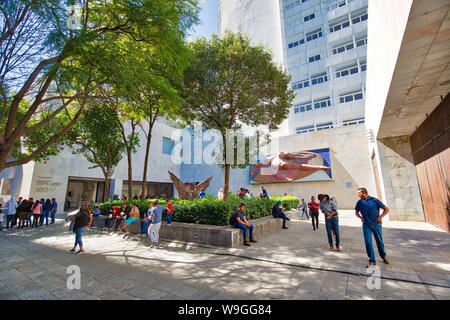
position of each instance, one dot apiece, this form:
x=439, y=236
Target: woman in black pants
x=314, y=212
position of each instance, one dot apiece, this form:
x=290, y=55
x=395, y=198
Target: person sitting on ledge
x=277, y=212
x=240, y=221
x=134, y=216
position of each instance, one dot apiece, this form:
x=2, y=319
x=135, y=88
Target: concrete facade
x=350, y=165
x=400, y=181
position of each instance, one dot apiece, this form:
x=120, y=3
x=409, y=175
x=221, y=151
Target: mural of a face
x=287, y=167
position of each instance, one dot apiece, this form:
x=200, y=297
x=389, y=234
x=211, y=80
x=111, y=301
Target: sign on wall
x=300, y=166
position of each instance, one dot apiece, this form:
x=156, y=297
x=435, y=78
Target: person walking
x=156, y=216
x=304, y=208
x=368, y=210
x=37, y=213
x=53, y=210
x=240, y=221
x=82, y=219
x=329, y=209
x=314, y=212
x=169, y=210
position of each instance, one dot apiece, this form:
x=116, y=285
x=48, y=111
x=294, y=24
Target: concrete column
x=400, y=180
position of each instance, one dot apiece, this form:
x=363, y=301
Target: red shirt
x=116, y=212
x=314, y=207
x=170, y=208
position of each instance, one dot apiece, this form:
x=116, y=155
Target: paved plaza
x=289, y=264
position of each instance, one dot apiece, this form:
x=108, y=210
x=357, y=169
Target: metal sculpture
x=189, y=190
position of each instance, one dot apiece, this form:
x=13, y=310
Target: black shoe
x=80, y=252
x=284, y=228
x=288, y=219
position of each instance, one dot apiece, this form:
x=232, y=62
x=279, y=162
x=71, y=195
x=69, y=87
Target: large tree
x=51, y=59
x=231, y=82
x=96, y=136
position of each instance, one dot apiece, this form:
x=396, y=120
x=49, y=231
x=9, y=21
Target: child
x=304, y=209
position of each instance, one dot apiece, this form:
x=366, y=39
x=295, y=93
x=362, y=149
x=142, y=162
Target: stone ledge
x=222, y=236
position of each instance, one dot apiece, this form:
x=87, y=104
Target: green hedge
x=210, y=210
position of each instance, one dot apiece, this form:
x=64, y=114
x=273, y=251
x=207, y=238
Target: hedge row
x=211, y=210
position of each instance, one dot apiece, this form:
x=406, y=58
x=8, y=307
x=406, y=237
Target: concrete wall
x=386, y=27
x=400, y=180
x=351, y=166
x=51, y=179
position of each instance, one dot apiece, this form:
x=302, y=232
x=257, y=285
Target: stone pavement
x=34, y=263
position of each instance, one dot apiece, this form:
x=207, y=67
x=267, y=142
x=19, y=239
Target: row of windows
x=327, y=125
x=351, y=70
x=336, y=5
x=316, y=79
x=310, y=17
x=351, y=97
x=350, y=46
x=314, y=58
x=310, y=36
x=308, y=106
x=318, y=33
x=294, y=4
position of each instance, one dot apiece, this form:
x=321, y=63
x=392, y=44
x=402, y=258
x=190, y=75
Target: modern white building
x=321, y=43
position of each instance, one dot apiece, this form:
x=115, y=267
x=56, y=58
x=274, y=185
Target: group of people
x=149, y=224
x=367, y=209
x=27, y=213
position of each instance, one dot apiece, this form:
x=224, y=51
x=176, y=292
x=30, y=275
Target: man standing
x=53, y=210
x=240, y=221
x=331, y=220
x=11, y=207
x=314, y=211
x=202, y=194
x=153, y=230
x=169, y=212
x=368, y=210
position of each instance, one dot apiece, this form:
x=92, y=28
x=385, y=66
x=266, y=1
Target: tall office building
x=324, y=46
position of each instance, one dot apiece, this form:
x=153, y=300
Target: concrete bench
x=222, y=236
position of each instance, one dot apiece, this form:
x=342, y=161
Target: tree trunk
x=226, y=187
x=144, y=177
x=106, y=195
x=130, y=176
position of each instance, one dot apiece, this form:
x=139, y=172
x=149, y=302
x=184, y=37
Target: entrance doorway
x=84, y=189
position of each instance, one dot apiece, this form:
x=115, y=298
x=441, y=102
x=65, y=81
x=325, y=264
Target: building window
x=314, y=58
x=350, y=97
x=296, y=43
x=314, y=35
x=336, y=5
x=320, y=78
x=339, y=26
x=324, y=126
x=343, y=47
x=359, y=18
x=361, y=42
x=300, y=84
x=346, y=71
x=167, y=146
x=322, y=103
x=300, y=130
x=303, y=107
x=309, y=17
x=363, y=66
x=351, y=122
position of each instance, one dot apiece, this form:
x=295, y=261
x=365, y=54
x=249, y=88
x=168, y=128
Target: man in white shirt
x=11, y=207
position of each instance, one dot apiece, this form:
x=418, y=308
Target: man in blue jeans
x=277, y=212
x=368, y=210
x=240, y=221
x=53, y=211
x=329, y=209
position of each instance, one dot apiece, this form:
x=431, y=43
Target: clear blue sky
x=208, y=20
